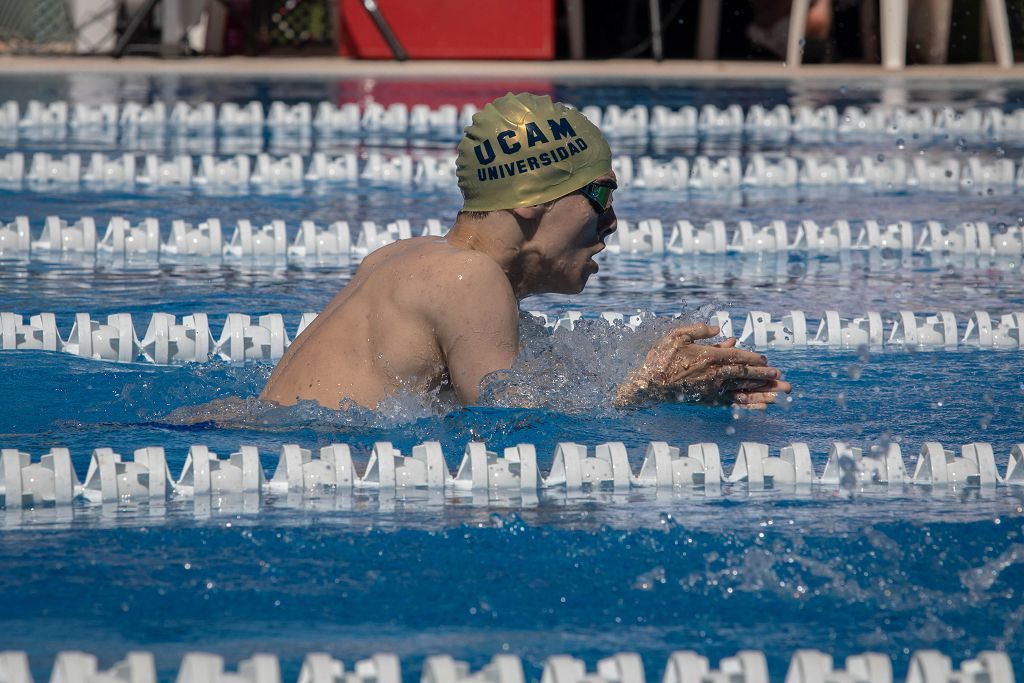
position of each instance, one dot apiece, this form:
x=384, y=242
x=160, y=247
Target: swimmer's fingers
x=755, y=400
x=727, y=344
x=751, y=406
x=687, y=359
x=710, y=375
x=691, y=333
x=742, y=371
x=731, y=355
x=747, y=385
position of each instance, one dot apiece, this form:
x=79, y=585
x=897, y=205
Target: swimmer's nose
x=608, y=224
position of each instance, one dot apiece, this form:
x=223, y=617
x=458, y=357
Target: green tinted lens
x=603, y=195
x=600, y=195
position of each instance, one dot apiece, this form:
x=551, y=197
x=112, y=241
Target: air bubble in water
x=900, y=144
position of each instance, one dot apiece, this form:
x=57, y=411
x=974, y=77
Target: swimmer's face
x=568, y=237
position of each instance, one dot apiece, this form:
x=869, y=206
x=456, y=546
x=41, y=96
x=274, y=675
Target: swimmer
x=435, y=314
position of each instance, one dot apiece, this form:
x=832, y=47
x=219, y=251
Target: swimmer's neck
x=502, y=237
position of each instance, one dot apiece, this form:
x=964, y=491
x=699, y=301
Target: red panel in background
x=452, y=29
x=435, y=92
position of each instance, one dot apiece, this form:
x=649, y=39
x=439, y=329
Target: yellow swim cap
x=524, y=149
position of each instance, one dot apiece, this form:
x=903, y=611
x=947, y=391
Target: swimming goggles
x=600, y=195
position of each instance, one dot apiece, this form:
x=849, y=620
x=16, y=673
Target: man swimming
x=441, y=313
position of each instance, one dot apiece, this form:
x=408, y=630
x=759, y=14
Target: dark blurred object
x=622, y=30
x=384, y=28
x=452, y=29
x=847, y=32
x=260, y=27
x=614, y=29
x=1016, y=10
x=138, y=32
x=169, y=28
x=969, y=40
x=300, y=24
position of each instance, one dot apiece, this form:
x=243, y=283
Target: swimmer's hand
x=718, y=374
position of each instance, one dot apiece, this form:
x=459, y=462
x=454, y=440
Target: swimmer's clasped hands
x=702, y=373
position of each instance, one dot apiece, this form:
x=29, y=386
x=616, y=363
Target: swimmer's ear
x=530, y=213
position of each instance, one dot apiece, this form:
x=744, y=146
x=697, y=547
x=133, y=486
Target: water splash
x=233, y=404
x=251, y=413
x=568, y=371
x=577, y=370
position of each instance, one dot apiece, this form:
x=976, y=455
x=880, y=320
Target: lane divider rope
x=52, y=120
x=276, y=241
x=292, y=173
x=145, y=476
x=747, y=666
x=191, y=339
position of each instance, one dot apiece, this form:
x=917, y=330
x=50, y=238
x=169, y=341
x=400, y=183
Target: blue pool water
x=843, y=572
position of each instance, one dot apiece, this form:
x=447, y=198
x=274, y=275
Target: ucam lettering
x=560, y=129
x=530, y=163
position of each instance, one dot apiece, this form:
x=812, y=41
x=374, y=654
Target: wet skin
x=429, y=313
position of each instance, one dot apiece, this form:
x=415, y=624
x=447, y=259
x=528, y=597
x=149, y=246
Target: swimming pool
x=889, y=569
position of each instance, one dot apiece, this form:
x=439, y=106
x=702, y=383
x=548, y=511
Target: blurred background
x=844, y=31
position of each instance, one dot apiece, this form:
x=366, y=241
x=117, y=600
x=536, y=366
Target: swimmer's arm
x=477, y=328
x=719, y=373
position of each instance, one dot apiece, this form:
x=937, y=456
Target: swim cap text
x=531, y=163
x=506, y=139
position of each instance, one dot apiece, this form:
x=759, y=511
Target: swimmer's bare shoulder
x=416, y=312
x=468, y=302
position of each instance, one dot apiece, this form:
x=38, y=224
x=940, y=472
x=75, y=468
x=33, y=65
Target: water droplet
x=900, y=144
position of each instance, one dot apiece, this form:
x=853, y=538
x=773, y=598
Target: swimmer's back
x=379, y=334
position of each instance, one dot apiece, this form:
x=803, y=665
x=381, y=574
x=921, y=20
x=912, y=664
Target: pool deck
x=339, y=67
